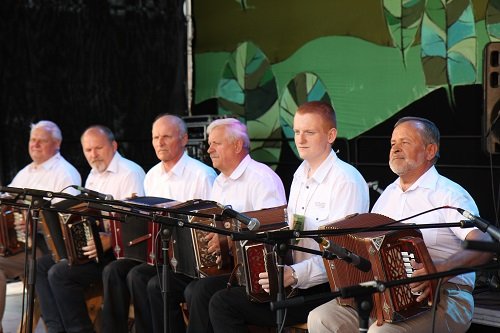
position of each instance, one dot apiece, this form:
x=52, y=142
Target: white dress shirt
x=54, y=175
x=334, y=191
x=121, y=179
x=188, y=179
x=251, y=186
x=431, y=190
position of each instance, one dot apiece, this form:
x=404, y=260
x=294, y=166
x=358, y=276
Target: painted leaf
x=449, y=43
x=248, y=90
x=492, y=20
x=403, y=19
x=305, y=87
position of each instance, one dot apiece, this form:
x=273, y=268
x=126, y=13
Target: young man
x=324, y=189
x=414, y=151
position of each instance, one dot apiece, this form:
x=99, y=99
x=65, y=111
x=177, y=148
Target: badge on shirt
x=298, y=224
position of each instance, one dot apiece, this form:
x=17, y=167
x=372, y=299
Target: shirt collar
x=112, y=166
x=427, y=180
x=322, y=170
x=48, y=164
x=178, y=168
x=241, y=167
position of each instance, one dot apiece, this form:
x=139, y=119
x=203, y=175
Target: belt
x=456, y=286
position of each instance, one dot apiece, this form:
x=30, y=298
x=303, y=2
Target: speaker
x=491, y=84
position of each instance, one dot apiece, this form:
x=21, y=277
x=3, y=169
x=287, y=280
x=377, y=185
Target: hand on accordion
x=422, y=288
x=288, y=279
x=213, y=243
x=90, y=250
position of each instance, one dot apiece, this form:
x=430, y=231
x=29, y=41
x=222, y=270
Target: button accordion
x=253, y=258
x=66, y=233
x=12, y=241
x=389, y=253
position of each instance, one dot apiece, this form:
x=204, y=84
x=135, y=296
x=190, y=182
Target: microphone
x=481, y=224
x=91, y=193
x=374, y=186
x=344, y=254
x=251, y=222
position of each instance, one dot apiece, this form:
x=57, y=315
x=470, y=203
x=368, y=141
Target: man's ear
x=431, y=150
x=332, y=135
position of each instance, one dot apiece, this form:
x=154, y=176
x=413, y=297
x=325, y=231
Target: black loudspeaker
x=491, y=84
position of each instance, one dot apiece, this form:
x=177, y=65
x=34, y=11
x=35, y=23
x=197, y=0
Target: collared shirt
x=334, y=191
x=251, y=186
x=431, y=190
x=54, y=175
x=121, y=179
x=188, y=179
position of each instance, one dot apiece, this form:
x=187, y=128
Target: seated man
x=48, y=171
x=60, y=287
x=414, y=151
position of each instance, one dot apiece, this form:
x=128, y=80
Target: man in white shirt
x=324, y=189
x=48, y=171
x=178, y=177
x=413, y=154
x=60, y=287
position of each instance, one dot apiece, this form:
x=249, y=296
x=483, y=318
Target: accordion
x=67, y=233
x=389, y=253
x=12, y=241
x=189, y=250
x=136, y=238
x=253, y=258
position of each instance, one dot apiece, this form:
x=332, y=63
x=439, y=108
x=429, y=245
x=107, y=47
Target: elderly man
x=179, y=177
x=61, y=287
x=413, y=154
x=48, y=171
x=324, y=189
x=243, y=183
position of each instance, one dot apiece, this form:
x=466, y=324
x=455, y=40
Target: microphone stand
x=33, y=217
x=166, y=233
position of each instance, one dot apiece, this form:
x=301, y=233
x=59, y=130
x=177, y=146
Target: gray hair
x=430, y=132
x=50, y=127
x=181, y=125
x=235, y=130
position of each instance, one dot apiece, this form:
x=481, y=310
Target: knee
x=189, y=291
x=153, y=286
x=58, y=272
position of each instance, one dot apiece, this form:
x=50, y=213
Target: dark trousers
x=60, y=289
x=148, y=307
x=116, y=296
x=198, y=294
x=231, y=310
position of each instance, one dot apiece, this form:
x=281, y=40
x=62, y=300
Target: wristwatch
x=295, y=278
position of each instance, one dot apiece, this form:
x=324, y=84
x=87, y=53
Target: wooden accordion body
x=138, y=238
x=11, y=240
x=253, y=258
x=66, y=233
x=387, y=252
x=189, y=251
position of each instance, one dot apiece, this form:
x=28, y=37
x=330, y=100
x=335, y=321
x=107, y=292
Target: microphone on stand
x=91, y=193
x=344, y=254
x=374, y=186
x=481, y=224
x=251, y=222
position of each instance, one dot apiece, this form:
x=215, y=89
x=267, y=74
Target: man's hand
x=90, y=250
x=423, y=287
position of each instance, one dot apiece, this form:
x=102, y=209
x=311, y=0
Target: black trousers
x=231, y=310
x=146, y=287
x=198, y=294
x=116, y=296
